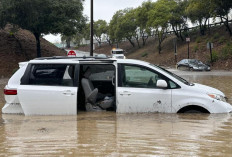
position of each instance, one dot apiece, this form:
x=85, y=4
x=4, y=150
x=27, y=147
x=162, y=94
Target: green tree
x=199, y=11
x=127, y=26
x=123, y=25
x=100, y=28
x=158, y=19
x=67, y=40
x=43, y=16
x=141, y=15
x=113, y=26
x=178, y=18
x=107, y=35
x=221, y=9
x=78, y=38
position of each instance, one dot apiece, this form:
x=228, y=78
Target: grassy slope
x=198, y=49
x=21, y=46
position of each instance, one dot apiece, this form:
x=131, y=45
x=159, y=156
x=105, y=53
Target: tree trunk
x=160, y=47
x=160, y=41
x=175, y=31
x=137, y=39
x=37, y=37
x=228, y=28
x=98, y=40
x=209, y=27
x=132, y=43
x=145, y=40
x=202, y=32
x=226, y=23
x=109, y=42
x=68, y=40
x=181, y=36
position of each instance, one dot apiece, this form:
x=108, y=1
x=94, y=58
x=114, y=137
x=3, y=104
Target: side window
x=52, y=75
x=101, y=72
x=139, y=77
x=102, y=76
x=172, y=85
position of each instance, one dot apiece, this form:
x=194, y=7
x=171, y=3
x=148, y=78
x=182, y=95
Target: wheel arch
x=193, y=107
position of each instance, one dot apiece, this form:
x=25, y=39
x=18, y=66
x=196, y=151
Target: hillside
x=21, y=46
x=222, y=51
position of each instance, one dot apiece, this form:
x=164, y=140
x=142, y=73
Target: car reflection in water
x=192, y=65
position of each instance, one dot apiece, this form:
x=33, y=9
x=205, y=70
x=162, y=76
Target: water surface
x=111, y=134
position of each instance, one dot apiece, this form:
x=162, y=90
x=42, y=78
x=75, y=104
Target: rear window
x=52, y=74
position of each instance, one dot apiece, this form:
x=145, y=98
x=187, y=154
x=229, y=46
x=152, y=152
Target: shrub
x=215, y=56
x=221, y=40
x=144, y=54
x=226, y=51
x=198, y=39
x=196, y=48
x=216, y=36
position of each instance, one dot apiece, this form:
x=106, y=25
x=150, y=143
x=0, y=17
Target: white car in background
x=64, y=86
x=118, y=53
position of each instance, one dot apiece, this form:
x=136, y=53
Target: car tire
x=190, y=69
x=193, y=111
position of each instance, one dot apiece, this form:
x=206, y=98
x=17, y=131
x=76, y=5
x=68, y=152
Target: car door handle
x=125, y=93
x=68, y=92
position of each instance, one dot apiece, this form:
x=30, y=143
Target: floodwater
x=111, y=134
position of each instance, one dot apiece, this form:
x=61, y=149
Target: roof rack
x=66, y=57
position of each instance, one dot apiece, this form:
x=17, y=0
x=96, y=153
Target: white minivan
x=64, y=86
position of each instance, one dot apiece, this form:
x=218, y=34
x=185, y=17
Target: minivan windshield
x=173, y=75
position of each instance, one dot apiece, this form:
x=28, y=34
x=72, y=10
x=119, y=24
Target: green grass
x=215, y=56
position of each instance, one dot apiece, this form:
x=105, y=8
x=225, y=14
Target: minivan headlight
x=217, y=97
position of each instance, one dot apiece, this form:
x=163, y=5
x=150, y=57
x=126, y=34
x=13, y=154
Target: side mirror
x=161, y=84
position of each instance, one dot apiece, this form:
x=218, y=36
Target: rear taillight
x=10, y=91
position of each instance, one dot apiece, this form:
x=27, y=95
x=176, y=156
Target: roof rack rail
x=66, y=57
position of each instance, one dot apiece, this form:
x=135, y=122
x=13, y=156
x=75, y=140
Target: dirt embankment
x=21, y=46
x=198, y=49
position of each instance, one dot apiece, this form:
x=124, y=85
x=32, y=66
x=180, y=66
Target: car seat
x=91, y=95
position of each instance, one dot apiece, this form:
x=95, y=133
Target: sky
x=103, y=9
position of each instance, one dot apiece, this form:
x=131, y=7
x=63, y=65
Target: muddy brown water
x=111, y=134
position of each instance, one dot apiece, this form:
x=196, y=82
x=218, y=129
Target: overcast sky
x=103, y=9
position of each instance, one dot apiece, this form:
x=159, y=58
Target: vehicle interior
x=96, y=87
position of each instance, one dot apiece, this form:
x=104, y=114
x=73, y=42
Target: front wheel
x=193, y=111
x=190, y=69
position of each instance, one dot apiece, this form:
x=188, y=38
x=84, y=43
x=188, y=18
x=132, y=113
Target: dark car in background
x=192, y=65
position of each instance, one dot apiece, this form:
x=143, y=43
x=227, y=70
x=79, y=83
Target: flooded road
x=111, y=134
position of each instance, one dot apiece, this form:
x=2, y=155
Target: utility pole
x=188, y=41
x=91, y=29
x=175, y=49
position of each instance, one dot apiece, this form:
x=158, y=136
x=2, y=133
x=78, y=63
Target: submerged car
x=64, y=86
x=192, y=64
